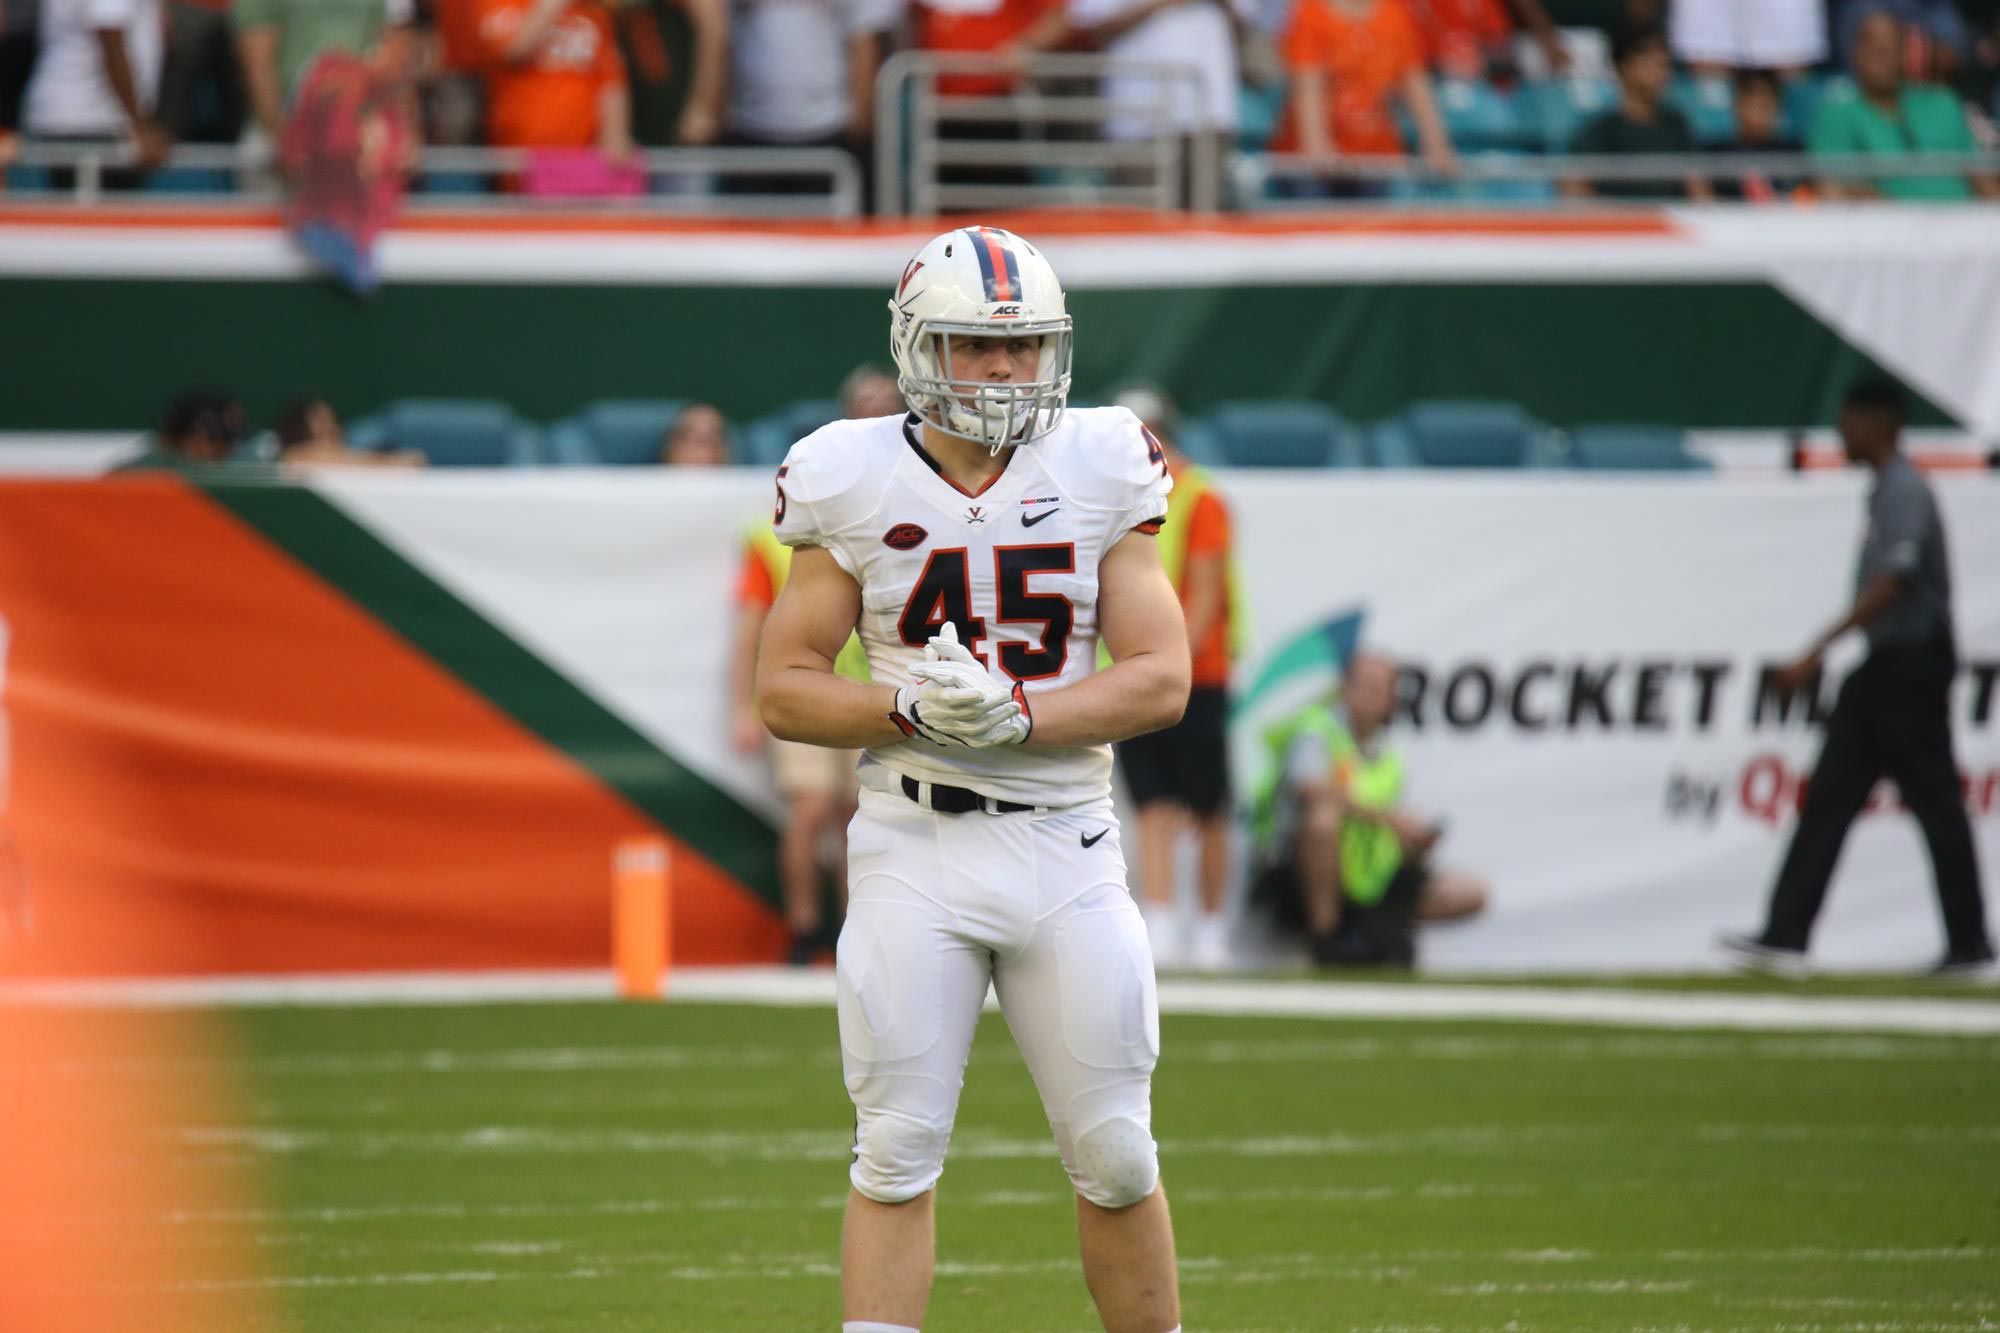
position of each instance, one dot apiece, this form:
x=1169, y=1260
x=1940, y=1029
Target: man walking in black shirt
x=1893, y=714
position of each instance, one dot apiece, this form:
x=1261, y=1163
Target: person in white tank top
x=980, y=547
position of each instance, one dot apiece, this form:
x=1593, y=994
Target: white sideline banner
x=1584, y=702
x=1585, y=654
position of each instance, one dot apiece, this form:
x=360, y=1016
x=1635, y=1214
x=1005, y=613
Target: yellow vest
x=1190, y=484
x=777, y=557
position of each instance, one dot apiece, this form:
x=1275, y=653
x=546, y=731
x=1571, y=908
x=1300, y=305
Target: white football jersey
x=1013, y=566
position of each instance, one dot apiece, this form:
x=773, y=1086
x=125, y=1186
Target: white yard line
x=536, y=1060
x=830, y=1146
x=813, y=988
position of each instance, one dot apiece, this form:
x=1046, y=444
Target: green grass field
x=600, y=1167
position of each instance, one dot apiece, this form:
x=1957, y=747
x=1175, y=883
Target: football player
x=980, y=546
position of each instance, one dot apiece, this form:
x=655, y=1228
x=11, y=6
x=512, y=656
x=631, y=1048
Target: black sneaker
x=801, y=954
x=1982, y=966
x=1751, y=954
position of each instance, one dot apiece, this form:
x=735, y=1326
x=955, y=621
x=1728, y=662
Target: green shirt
x=1928, y=119
x=308, y=27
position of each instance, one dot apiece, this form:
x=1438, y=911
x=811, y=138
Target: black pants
x=202, y=99
x=1892, y=719
x=18, y=49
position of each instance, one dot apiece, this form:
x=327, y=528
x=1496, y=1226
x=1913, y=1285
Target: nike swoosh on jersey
x=1029, y=520
x=1091, y=841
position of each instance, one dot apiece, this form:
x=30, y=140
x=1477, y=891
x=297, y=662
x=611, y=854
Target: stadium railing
x=681, y=181
x=1062, y=154
x=1490, y=178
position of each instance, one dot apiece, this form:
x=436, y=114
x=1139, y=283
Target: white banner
x=1590, y=719
x=1590, y=650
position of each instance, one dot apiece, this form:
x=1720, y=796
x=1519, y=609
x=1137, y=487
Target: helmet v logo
x=909, y=271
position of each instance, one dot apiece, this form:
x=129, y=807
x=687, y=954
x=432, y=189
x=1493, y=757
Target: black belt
x=960, y=800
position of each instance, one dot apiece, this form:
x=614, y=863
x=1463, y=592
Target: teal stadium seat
x=1518, y=191
x=1709, y=105
x=1461, y=434
x=1558, y=108
x=1198, y=440
x=1606, y=447
x=770, y=437
x=452, y=432
x=1282, y=432
x=1477, y=115
x=450, y=183
x=1258, y=106
x=190, y=180
x=617, y=432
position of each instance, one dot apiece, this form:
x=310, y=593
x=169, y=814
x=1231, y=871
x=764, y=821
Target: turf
x=603, y=1167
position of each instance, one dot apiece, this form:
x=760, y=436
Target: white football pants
x=1035, y=904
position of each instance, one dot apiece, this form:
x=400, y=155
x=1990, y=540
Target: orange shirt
x=977, y=25
x=1458, y=34
x=549, y=100
x=1363, y=61
x=753, y=585
x=1208, y=535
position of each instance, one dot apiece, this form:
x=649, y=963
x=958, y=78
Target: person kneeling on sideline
x=1358, y=857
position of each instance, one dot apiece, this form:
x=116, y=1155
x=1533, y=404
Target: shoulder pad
x=1107, y=458
x=831, y=479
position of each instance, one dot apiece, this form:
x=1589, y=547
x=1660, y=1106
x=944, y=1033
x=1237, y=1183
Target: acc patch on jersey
x=904, y=537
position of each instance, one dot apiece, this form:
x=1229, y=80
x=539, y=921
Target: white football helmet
x=988, y=283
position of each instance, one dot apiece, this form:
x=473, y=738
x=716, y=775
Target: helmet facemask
x=984, y=411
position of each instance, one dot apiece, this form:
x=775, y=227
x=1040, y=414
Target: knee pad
x=1117, y=1163
x=895, y=1159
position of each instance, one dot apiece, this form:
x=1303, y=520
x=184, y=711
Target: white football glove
x=954, y=701
x=946, y=696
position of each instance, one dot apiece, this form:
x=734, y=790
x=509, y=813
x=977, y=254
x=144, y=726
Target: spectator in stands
x=1714, y=37
x=870, y=391
x=1348, y=61
x=309, y=433
x=1474, y=39
x=20, y=42
x=200, y=428
x=676, y=55
x=1759, y=114
x=201, y=84
x=803, y=75
x=1642, y=122
x=1201, y=34
x=1179, y=777
x=1363, y=857
x=96, y=80
x=1889, y=115
x=1009, y=31
x=1936, y=40
x=278, y=40
x=698, y=437
x=1979, y=79
x=554, y=78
